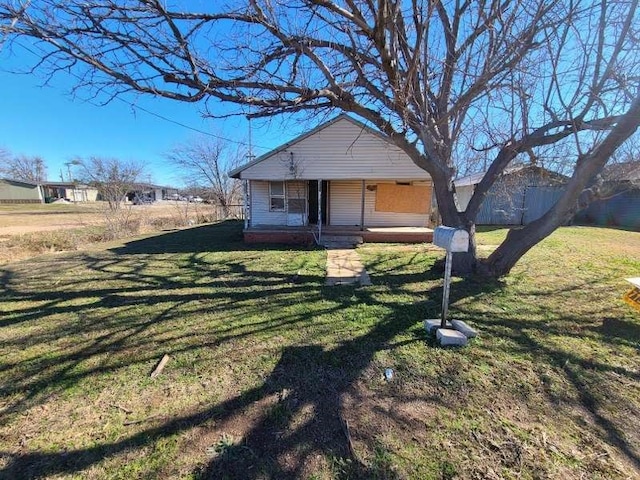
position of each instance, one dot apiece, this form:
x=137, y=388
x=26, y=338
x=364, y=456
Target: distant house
x=340, y=178
x=15, y=191
x=69, y=191
x=620, y=205
x=521, y=195
x=148, y=192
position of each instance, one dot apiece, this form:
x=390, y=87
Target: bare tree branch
x=456, y=85
x=205, y=163
x=22, y=167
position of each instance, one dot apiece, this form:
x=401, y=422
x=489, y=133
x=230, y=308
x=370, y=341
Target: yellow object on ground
x=632, y=297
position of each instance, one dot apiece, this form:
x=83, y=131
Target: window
x=276, y=196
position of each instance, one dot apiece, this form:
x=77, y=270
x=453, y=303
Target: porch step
x=340, y=241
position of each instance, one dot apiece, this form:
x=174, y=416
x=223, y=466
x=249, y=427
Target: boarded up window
x=403, y=198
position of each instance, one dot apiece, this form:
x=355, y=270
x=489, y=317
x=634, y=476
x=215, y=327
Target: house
x=148, y=192
x=521, y=195
x=620, y=202
x=341, y=178
x=70, y=191
x=16, y=191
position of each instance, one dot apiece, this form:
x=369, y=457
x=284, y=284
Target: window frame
x=282, y=196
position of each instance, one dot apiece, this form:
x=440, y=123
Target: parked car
x=142, y=200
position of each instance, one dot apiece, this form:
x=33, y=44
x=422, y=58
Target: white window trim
x=283, y=196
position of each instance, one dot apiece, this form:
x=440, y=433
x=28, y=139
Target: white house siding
x=81, y=194
x=345, y=199
x=260, y=213
x=342, y=150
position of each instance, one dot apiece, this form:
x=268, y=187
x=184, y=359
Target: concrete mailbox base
x=432, y=325
x=462, y=327
x=448, y=337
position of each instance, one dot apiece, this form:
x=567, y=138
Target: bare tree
x=5, y=156
x=204, y=163
x=22, y=167
x=111, y=176
x=503, y=80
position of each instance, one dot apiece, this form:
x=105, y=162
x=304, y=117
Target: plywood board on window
x=403, y=198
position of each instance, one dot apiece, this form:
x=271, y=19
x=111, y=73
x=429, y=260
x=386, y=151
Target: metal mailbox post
x=452, y=240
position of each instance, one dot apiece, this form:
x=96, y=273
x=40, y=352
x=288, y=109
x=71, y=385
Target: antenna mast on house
x=250, y=155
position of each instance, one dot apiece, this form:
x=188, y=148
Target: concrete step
x=340, y=241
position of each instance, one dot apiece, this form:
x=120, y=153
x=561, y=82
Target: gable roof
x=76, y=186
x=475, y=178
x=18, y=183
x=235, y=173
x=620, y=172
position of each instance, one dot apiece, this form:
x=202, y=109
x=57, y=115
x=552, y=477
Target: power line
x=158, y=115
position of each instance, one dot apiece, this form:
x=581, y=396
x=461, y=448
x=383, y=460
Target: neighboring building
x=148, y=193
x=340, y=177
x=620, y=205
x=69, y=191
x=15, y=191
x=521, y=195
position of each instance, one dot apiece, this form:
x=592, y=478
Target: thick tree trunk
x=464, y=264
x=519, y=242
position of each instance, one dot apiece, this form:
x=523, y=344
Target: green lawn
x=273, y=375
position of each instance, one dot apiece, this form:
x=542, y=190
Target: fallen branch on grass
x=135, y=422
x=160, y=367
x=120, y=407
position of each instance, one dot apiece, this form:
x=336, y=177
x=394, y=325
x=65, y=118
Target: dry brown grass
x=28, y=230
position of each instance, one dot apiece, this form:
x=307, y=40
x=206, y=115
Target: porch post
x=319, y=210
x=362, y=207
x=245, y=185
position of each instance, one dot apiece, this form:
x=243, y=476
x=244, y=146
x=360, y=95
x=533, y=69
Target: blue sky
x=48, y=121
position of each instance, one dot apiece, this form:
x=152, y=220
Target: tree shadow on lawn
x=593, y=397
x=314, y=378
x=307, y=385
x=219, y=237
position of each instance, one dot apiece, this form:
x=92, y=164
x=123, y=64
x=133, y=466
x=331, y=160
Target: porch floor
x=304, y=234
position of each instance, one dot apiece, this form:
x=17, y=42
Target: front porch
x=305, y=234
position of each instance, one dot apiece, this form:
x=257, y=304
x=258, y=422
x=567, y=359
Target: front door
x=313, y=201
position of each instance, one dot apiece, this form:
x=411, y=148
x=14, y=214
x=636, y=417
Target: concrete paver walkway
x=344, y=267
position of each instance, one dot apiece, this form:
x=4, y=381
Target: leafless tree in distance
x=112, y=177
x=5, y=157
x=503, y=80
x=204, y=163
x=23, y=167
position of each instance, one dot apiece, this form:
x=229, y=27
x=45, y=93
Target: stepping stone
x=344, y=267
x=448, y=337
x=433, y=324
x=465, y=329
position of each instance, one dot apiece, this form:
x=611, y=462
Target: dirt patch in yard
x=20, y=219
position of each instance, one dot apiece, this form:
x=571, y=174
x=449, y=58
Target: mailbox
x=451, y=239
